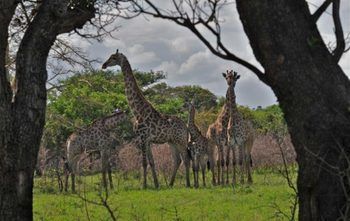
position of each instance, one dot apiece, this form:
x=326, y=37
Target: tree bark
x=314, y=94
x=23, y=120
x=7, y=158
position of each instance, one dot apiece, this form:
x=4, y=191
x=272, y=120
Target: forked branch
x=200, y=17
x=340, y=48
x=317, y=14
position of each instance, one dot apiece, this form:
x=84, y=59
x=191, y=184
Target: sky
x=160, y=45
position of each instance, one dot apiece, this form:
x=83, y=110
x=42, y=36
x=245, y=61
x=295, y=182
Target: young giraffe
x=241, y=132
x=217, y=136
x=95, y=138
x=201, y=151
x=152, y=126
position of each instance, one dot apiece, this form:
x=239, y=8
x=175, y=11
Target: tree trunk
x=7, y=156
x=314, y=94
x=22, y=121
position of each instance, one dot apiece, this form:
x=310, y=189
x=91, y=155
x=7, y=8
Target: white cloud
x=161, y=45
x=168, y=67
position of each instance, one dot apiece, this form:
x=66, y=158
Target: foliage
x=269, y=120
x=164, y=95
x=87, y=96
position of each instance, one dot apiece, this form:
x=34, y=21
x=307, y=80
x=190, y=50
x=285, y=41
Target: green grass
x=255, y=202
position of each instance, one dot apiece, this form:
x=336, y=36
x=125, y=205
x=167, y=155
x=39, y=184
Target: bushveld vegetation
x=86, y=96
x=297, y=63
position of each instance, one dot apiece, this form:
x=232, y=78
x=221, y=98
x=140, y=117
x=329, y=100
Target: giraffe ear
x=236, y=76
x=224, y=74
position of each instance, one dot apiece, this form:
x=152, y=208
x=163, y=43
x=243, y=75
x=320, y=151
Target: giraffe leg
x=109, y=170
x=104, y=161
x=74, y=170
x=66, y=176
x=248, y=163
x=219, y=168
x=195, y=174
x=177, y=162
x=222, y=164
x=186, y=160
x=234, y=166
x=152, y=165
x=104, y=180
x=73, y=181
x=203, y=167
x=211, y=166
x=227, y=163
x=241, y=162
x=144, y=166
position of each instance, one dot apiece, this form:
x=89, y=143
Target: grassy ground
x=264, y=200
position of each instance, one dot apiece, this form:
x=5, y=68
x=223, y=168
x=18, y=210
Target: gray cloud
x=161, y=45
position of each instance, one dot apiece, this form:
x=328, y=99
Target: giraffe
x=95, y=138
x=241, y=133
x=200, y=150
x=217, y=136
x=151, y=126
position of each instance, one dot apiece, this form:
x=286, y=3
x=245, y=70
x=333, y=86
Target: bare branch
x=198, y=19
x=24, y=10
x=340, y=48
x=317, y=14
x=103, y=197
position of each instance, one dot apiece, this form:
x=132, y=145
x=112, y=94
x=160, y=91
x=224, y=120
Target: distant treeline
x=84, y=97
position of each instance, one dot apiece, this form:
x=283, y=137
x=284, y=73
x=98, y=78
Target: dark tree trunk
x=314, y=94
x=7, y=157
x=22, y=121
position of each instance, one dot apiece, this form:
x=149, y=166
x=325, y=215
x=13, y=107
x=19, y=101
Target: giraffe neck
x=193, y=129
x=234, y=114
x=139, y=106
x=224, y=116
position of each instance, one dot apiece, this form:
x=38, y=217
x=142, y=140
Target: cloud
x=168, y=67
x=161, y=45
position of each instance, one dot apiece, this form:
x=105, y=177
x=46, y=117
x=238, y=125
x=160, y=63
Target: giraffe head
x=231, y=77
x=114, y=59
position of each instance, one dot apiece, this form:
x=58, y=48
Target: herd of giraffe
x=228, y=132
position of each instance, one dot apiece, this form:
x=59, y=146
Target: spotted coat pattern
x=151, y=126
x=95, y=138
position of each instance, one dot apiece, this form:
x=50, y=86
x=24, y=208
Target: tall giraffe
x=241, y=133
x=201, y=151
x=97, y=137
x=152, y=126
x=217, y=135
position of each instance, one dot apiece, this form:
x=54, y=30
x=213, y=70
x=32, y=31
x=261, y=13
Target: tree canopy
x=86, y=96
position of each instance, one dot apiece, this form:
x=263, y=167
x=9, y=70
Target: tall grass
x=130, y=202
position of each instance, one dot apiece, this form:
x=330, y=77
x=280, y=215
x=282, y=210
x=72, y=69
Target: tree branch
x=317, y=14
x=194, y=19
x=7, y=11
x=340, y=48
